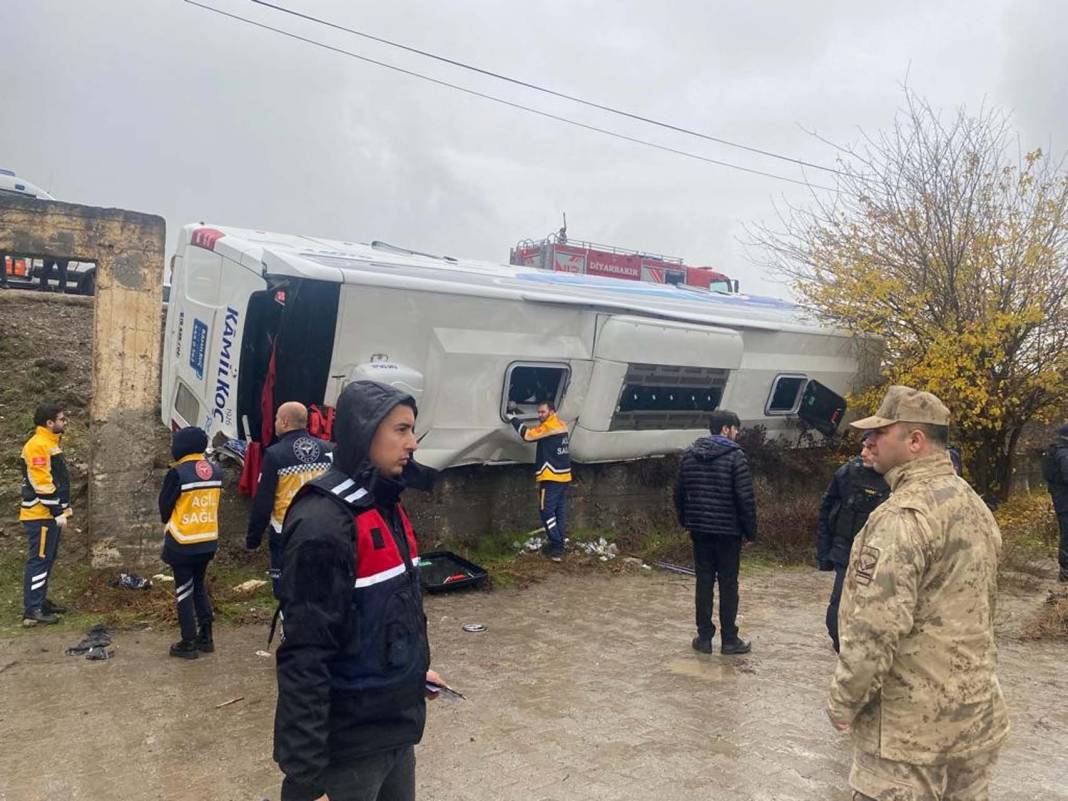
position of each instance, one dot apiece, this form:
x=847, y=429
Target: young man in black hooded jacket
x=714, y=501
x=354, y=658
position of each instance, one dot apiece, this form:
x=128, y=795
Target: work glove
x=61, y=521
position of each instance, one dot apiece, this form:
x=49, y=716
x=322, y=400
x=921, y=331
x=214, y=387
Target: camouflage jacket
x=916, y=674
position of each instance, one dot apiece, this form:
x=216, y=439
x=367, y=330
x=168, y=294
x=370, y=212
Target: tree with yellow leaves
x=955, y=254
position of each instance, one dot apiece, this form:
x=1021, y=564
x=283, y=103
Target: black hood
x=188, y=440
x=361, y=408
x=711, y=448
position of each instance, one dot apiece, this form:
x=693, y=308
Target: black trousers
x=191, y=594
x=717, y=559
x=385, y=776
x=832, y=605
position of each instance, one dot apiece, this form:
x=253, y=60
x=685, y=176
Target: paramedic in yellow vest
x=294, y=460
x=552, y=472
x=45, y=510
x=189, y=508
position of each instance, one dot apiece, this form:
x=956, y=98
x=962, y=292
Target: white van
x=634, y=368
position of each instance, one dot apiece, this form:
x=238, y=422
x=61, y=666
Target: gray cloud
x=162, y=107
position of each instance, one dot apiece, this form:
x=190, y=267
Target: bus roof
x=381, y=264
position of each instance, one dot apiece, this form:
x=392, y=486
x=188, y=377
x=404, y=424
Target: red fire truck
x=557, y=252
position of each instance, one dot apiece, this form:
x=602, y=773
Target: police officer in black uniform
x=189, y=508
x=354, y=658
x=855, y=491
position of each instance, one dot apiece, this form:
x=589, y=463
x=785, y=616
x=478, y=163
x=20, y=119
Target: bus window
x=186, y=405
x=785, y=394
x=527, y=383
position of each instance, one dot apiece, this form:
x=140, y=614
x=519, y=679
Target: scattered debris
x=263, y=653
x=163, y=577
x=533, y=544
x=250, y=586
x=600, y=547
x=132, y=581
x=474, y=628
x=99, y=653
x=231, y=701
x=96, y=637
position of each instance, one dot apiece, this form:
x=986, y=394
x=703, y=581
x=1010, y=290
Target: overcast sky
x=158, y=106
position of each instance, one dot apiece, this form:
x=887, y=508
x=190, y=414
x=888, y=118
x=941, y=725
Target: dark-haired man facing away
x=714, y=501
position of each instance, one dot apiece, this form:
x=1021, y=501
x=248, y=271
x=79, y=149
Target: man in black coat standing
x=714, y=501
x=1055, y=471
x=855, y=491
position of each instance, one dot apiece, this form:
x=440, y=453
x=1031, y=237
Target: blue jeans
x=552, y=504
x=42, y=545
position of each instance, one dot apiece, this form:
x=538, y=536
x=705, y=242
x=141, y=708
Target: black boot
x=735, y=646
x=54, y=609
x=203, y=640
x=185, y=649
x=35, y=616
x=701, y=644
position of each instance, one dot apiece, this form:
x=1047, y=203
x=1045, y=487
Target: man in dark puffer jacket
x=715, y=503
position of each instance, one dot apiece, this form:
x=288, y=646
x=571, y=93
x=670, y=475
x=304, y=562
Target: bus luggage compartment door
x=653, y=383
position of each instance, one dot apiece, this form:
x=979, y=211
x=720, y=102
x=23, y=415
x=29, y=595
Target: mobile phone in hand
x=443, y=691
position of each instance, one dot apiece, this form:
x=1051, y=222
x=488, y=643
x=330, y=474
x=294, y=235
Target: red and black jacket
x=354, y=652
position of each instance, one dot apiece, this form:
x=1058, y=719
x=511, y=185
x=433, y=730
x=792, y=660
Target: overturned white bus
x=256, y=319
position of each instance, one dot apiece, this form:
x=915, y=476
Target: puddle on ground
x=707, y=669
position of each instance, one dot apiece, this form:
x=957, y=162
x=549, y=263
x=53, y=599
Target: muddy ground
x=583, y=687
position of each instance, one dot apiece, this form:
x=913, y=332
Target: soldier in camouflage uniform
x=916, y=681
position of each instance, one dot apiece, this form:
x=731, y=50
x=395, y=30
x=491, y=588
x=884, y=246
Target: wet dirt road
x=583, y=687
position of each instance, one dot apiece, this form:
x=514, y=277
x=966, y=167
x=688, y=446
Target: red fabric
x=267, y=399
x=375, y=558
x=250, y=473
x=321, y=422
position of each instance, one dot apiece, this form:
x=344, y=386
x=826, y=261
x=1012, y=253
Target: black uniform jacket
x=352, y=663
